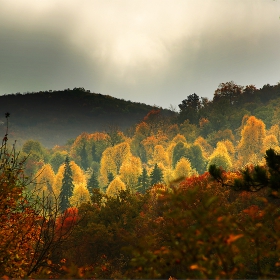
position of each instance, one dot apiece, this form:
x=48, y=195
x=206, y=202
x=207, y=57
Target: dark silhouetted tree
x=143, y=181
x=92, y=183
x=156, y=175
x=67, y=187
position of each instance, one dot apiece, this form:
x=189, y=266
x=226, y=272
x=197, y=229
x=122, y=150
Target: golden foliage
x=183, y=169
x=130, y=170
x=78, y=176
x=252, y=140
x=80, y=195
x=45, y=178
x=115, y=187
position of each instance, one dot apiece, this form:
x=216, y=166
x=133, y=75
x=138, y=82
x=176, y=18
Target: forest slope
x=53, y=117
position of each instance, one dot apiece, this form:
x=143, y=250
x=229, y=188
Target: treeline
x=53, y=117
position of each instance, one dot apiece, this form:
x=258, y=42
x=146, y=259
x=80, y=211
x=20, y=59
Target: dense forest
x=188, y=194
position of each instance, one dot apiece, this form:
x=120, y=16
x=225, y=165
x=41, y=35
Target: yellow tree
x=150, y=142
x=80, y=195
x=45, y=178
x=115, y=187
x=252, y=140
x=78, y=176
x=274, y=130
x=121, y=153
x=183, y=169
x=270, y=142
x=179, y=138
x=230, y=148
x=220, y=157
x=130, y=171
x=207, y=149
x=107, y=166
x=111, y=161
x=160, y=156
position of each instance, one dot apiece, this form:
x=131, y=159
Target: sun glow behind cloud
x=160, y=49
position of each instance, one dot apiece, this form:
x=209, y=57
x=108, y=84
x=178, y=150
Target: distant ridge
x=53, y=117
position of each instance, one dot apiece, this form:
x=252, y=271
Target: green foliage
x=106, y=228
x=192, y=152
x=93, y=183
x=67, y=187
x=189, y=109
x=143, y=181
x=220, y=160
x=156, y=175
x=56, y=160
x=254, y=178
x=110, y=177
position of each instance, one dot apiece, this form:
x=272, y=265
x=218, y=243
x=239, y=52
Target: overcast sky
x=151, y=51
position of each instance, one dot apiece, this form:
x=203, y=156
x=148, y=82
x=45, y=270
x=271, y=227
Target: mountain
x=53, y=117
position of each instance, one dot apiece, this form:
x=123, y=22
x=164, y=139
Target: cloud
x=156, y=52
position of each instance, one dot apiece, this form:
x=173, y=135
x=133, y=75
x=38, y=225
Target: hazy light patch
x=156, y=50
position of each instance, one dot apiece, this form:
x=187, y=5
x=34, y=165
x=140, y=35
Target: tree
x=253, y=178
x=77, y=175
x=130, y=171
x=57, y=159
x=156, y=175
x=189, y=109
x=45, y=179
x=183, y=169
x=220, y=157
x=80, y=195
x=252, y=140
x=80, y=150
x=115, y=187
x=143, y=181
x=27, y=222
x=179, y=151
x=99, y=142
x=67, y=187
x=160, y=156
x=228, y=91
x=92, y=183
x=111, y=161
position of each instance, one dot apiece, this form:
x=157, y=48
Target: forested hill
x=53, y=117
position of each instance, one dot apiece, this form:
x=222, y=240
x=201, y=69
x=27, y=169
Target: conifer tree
x=84, y=157
x=67, y=187
x=156, y=175
x=92, y=183
x=110, y=177
x=143, y=181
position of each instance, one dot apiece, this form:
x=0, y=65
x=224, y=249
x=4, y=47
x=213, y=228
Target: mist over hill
x=53, y=117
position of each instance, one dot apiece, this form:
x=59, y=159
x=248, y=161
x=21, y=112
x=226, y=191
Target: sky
x=151, y=51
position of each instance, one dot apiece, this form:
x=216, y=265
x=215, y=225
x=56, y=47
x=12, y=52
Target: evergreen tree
x=143, y=181
x=67, y=187
x=92, y=183
x=84, y=157
x=156, y=175
x=110, y=177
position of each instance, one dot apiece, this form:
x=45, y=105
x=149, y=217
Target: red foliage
x=66, y=221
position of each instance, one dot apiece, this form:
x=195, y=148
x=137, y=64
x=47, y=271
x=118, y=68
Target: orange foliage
x=65, y=222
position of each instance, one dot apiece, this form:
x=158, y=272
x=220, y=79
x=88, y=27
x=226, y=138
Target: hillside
x=53, y=117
